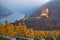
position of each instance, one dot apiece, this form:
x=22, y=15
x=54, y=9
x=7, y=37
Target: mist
x=20, y=8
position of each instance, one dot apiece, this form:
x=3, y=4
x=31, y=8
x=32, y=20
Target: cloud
x=12, y=18
x=18, y=6
x=21, y=4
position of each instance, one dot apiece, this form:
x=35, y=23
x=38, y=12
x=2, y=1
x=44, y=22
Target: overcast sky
x=18, y=7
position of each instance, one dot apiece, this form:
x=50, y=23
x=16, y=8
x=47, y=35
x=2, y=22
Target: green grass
x=36, y=39
x=3, y=38
x=19, y=39
x=49, y=39
x=58, y=38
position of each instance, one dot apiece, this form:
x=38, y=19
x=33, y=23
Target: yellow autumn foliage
x=13, y=30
